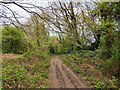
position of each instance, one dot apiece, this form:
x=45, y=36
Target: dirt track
x=62, y=77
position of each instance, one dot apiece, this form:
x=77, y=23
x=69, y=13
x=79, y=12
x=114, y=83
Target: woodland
x=85, y=35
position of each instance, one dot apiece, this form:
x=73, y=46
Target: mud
x=63, y=77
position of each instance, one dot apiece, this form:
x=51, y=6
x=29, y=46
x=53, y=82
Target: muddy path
x=62, y=77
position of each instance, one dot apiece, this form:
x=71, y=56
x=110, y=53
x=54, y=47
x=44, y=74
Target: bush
x=110, y=47
x=12, y=40
x=109, y=41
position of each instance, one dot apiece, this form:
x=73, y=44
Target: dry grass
x=9, y=56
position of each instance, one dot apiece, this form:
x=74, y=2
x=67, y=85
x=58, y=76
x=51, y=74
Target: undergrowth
x=89, y=67
x=29, y=71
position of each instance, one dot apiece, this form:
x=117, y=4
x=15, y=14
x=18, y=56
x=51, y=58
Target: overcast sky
x=20, y=11
x=42, y=3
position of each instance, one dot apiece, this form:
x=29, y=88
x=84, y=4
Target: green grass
x=29, y=71
x=86, y=65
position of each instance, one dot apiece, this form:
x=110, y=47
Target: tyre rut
x=62, y=77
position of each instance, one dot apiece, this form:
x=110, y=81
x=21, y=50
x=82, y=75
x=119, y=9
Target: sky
x=23, y=13
x=20, y=11
x=42, y=3
x=26, y=15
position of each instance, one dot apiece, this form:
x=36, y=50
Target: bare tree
x=65, y=18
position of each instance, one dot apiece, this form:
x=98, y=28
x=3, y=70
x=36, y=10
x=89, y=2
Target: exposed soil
x=9, y=56
x=63, y=77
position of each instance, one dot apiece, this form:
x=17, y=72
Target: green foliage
x=54, y=45
x=90, y=70
x=100, y=85
x=109, y=36
x=76, y=69
x=99, y=66
x=14, y=74
x=108, y=10
x=12, y=40
x=108, y=40
x=90, y=54
x=110, y=46
x=34, y=65
x=115, y=81
x=29, y=71
x=69, y=44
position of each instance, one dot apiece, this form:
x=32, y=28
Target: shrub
x=12, y=40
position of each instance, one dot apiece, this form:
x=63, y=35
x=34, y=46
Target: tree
x=36, y=32
x=109, y=11
x=12, y=40
x=63, y=18
x=70, y=19
x=108, y=18
x=107, y=39
x=109, y=35
x=54, y=46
